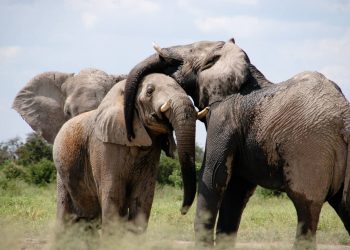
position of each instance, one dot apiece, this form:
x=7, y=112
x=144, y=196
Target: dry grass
x=27, y=216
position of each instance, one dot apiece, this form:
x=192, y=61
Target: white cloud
x=335, y=5
x=143, y=6
x=92, y=11
x=89, y=20
x=252, y=27
x=243, y=2
x=242, y=26
x=8, y=53
x=332, y=54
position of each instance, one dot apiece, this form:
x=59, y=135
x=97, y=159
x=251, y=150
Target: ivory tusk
x=165, y=106
x=157, y=48
x=203, y=113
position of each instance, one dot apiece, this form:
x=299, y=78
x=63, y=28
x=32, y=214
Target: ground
x=27, y=219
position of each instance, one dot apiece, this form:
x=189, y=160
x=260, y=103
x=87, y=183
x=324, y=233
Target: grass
x=27, y=216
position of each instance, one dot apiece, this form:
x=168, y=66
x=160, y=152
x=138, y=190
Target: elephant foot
x=225, y=241
x=305, y=244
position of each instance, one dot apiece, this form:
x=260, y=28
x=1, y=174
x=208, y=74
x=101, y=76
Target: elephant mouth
x=159, y=124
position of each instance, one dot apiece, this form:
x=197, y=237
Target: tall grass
x=27, y=219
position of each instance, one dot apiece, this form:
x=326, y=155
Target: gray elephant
x=102, y=174
x=51, y=98
x=209, y=71
x=292, y=137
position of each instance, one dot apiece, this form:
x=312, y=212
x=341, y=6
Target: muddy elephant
x=101, y=174
x=48, y=100
x=292, y=137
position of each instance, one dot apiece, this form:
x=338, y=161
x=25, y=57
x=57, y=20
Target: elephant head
x=207, y=70
x=51, y=98
x=161, y=107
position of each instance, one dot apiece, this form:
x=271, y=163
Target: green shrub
x=169, y=172
x=33, y=150
x=42, y=172
x=175, y=178
x=264, y=192
x=8, y=149
x=166, y=168
x=11, y=170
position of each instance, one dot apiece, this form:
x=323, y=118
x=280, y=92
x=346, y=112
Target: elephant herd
x=108, y=132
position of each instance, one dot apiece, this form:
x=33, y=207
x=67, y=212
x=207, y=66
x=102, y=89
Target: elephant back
x=71, y=142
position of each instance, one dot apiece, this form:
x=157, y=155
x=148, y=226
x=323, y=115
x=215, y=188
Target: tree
x=169, y=169
x=33, y=150
x=8, y=149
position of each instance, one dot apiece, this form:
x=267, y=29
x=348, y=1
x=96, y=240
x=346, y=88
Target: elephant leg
x=212, y=185
x=113, y=205
x=140, y=204
x=336, y=202
x=207, y=209
x=65, y=211
x=308, y=213
x=235, y=199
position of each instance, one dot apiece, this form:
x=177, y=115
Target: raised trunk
x=183, y=120
x=152, y=64
x=166, y=61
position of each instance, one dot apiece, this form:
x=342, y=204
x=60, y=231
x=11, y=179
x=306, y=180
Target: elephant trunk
x=149, y=65
x=153, y=64
x=183, y=120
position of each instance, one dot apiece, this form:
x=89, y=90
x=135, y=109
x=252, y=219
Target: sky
x=282, y=38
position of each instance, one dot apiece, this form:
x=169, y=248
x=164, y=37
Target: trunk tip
x=184, y=210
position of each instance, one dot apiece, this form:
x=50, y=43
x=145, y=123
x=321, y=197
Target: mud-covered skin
x=292, y=137
x=101, y=175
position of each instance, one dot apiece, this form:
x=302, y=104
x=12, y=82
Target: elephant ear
x=223, y=73
x=110, y=125
x=40, y=103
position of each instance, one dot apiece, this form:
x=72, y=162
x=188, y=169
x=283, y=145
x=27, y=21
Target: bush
x=42, y=172
x=166, y=168
x=11, y=170
x=33, y=150
x=8, y=149
x=175, y=178
x=169, y=172
x=264, y=192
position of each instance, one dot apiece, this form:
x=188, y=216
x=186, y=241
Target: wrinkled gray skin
x=207, y=70
x=292, y=137
x=210, y=71
x=103, y=175
x=51, y=98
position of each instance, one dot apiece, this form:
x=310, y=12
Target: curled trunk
x=150, y=65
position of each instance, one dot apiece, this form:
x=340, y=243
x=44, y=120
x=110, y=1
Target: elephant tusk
x=203, y=113
x=157, y=48
x=165, y=106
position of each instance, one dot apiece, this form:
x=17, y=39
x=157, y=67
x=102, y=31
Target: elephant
x=207, y=70
x=48, y=100
x=104, y=176
x=293, y=137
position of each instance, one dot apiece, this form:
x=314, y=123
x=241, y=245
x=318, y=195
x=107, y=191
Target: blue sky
x=282, y=38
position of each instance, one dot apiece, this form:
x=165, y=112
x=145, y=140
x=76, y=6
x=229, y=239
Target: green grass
x=27, y=218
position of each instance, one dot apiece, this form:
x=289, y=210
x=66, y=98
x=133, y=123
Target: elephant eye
x=149, y=90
